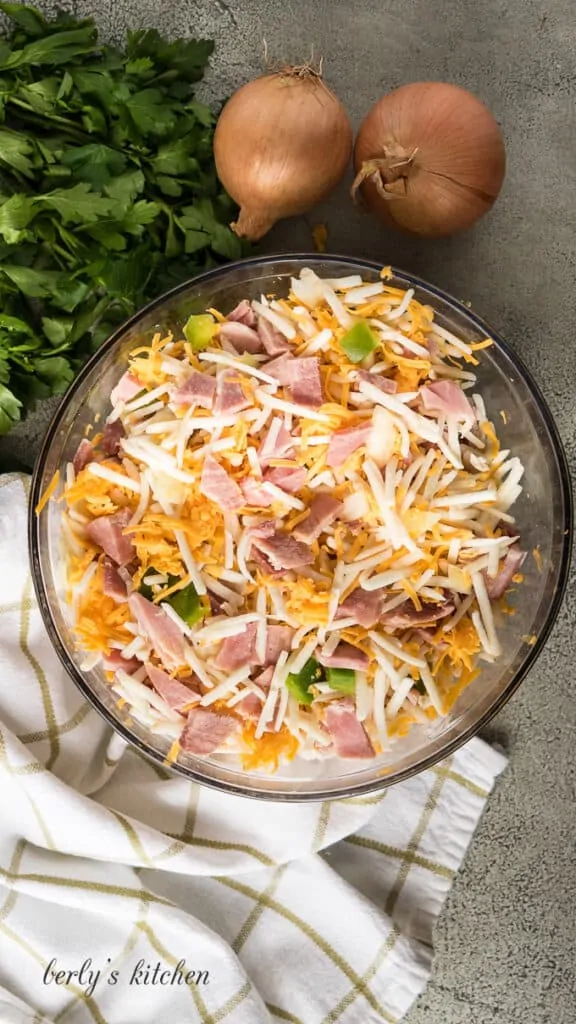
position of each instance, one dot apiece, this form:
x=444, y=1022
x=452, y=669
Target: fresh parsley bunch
x=108, y=192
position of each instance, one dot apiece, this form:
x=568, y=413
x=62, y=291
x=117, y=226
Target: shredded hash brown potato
x=290, y=536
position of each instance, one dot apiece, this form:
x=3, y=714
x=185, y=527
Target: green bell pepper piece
x=299, y=684
x=358, y=342
x=342, y=679
x=145, y=589
x=199, y=330
x=187, y=604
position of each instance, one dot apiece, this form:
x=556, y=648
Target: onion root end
x=389, y=173
x=252, y=224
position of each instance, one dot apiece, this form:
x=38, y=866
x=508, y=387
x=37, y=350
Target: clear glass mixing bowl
x=544, y=515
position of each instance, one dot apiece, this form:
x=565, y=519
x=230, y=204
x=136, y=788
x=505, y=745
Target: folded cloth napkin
x=130, y=895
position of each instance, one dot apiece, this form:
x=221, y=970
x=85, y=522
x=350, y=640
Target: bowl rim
x=197, y=775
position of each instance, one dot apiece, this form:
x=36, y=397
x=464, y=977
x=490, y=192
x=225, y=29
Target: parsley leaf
x=15, y=151
x=96, y=163
x=9, y=409
x=108, y=191
x=28, y=18
x=54, y=49
x=150, y=112
x=15, y=215
x=78, y=205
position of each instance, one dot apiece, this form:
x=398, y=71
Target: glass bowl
x=544, y=516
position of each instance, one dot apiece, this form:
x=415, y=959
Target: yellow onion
x=429, y=158
x=282, y=144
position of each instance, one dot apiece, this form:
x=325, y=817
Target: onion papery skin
x=429, y=159
x=282, y=144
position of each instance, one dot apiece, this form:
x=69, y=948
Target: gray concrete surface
x=505, y=946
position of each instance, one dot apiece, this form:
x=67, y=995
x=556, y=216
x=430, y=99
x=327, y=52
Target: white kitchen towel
x=130, y=896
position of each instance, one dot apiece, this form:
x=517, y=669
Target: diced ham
x=447, y=397
x=230, y=397
x=306, y=382
x=345, y=656
x=348, y=734
x=273, y=341
x=264, y=564
x=266, y=528
x=197, y=389
x=250, y=707
x=379, y=381
x=497, y=586
x=206, y=730
x=407, y=615
x=219, y=487
x=283, y=551
x=344, y=443
x=215, y=603
x=254, y=493
x=84, y=454
x=265, y=678
x=288, y=478
x=301, y=375
x=362, y=605
x=177, y=695
x=114, y=661
x=280, y=368
x=239, y=650
x=323, y=512
x=243, y=338
x=162, y=632
x=243, y=314
x=278, y=639
x=107, y=533
x=127, y=388
x=280, y=446
x=112, y=584
x=111, y=437
x=427, y=636
x=126, y=572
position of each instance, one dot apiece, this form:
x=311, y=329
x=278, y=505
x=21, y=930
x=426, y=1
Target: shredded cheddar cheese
x=247, y=530
x=50, y=489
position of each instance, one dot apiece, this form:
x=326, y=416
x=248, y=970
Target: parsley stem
x=35, y=119
x=59, y=250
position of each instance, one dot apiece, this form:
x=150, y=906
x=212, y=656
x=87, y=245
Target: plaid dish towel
x=130, y=895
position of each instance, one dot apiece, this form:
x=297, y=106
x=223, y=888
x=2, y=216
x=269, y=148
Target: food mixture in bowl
x=288, y=537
